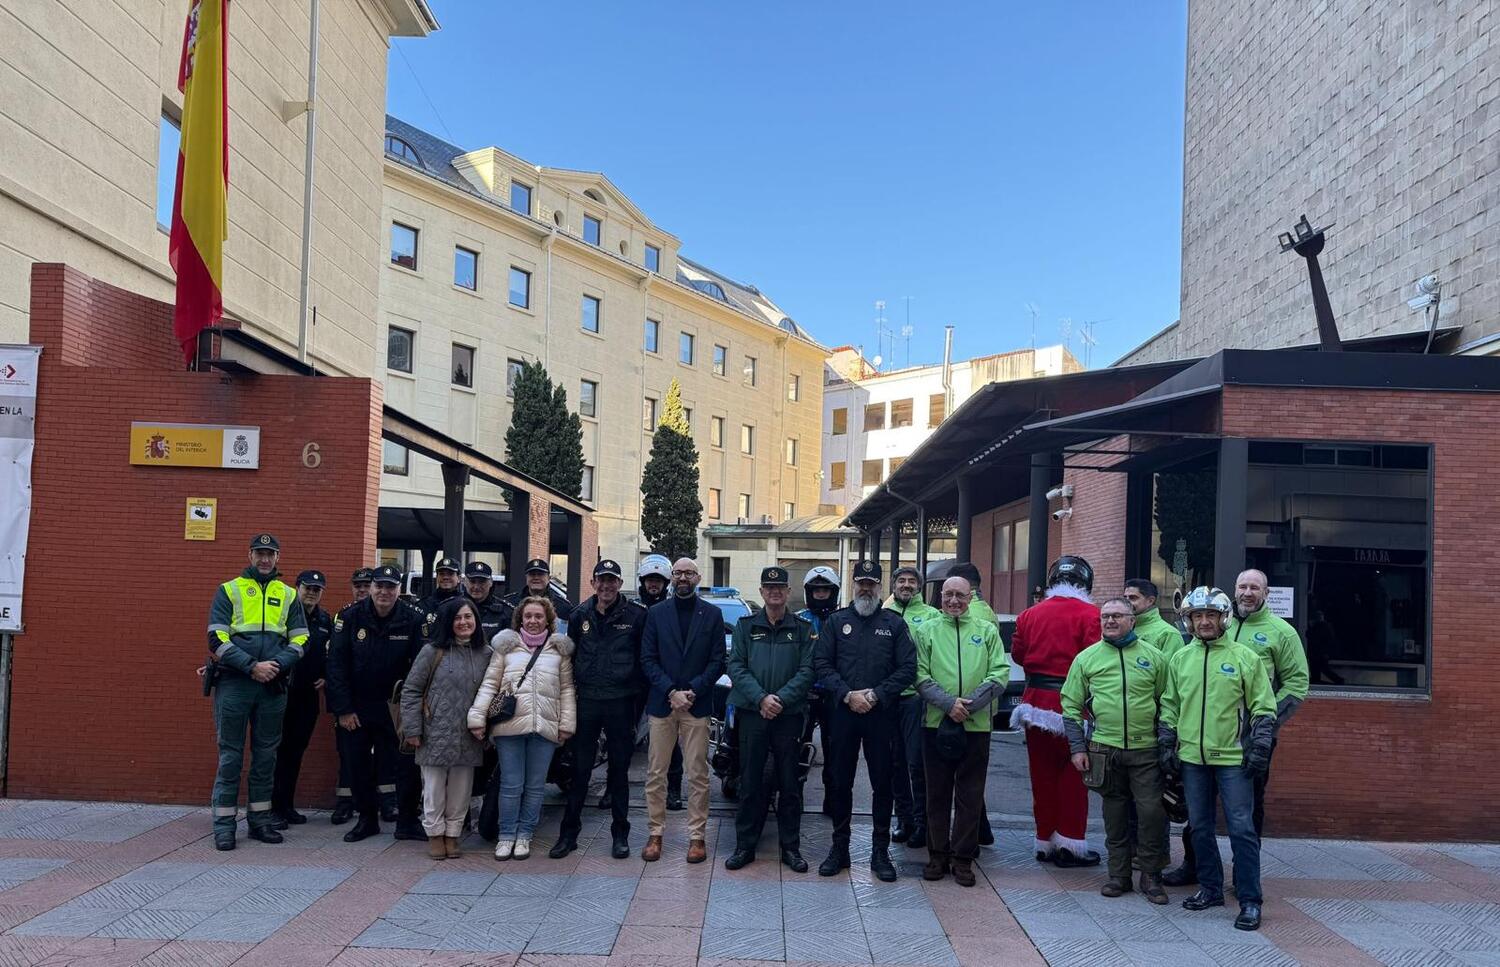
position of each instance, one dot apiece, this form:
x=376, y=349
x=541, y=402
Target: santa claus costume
x=1048, y=636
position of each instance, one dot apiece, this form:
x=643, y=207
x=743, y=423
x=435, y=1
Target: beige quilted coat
x=545, y=702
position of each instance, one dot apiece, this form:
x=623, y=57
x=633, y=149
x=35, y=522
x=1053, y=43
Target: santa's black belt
x=1052, y=683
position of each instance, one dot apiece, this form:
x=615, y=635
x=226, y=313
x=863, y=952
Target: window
x=586, y=487
x=591, y=227
x=1001, y=562
x=937, y=408
x=716, y=431
x=465, y=268
x=794, y=387
x=398, y=346
x=400, y=149
x=687, y=417
x=836, y=475
x=721, y=357
x=685, y=348
x=791, y=451
x=747, y=438
x=590, y=314
x=714, y=497
x=403, y=246
x=721, y=571
x=895, y=465
x=520, y=197
x=167, y=148
x=648, y=414
x=512, y=372
x=870, y=471
x=745, y=506
x=900, y=414
x=394, y=458
x=588, y=394
x=874, y=416
x=788, y=510
x=749, y=370
x=840, y=420
x=653, y=336
x=520, y=288
x=463, y=365
x=653, y=258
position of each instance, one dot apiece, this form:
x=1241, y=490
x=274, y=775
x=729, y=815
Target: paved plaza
x=119, y=883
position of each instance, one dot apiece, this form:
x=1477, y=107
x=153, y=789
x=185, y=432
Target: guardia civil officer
x=445, y=587
x=343, y=805
x=304, y=699
x=256, y=632
x=374, y=643
x=864, y=659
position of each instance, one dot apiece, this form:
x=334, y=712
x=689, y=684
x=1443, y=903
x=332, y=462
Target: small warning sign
x=202, y=519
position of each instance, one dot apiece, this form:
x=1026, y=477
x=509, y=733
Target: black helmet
x=1071, y=569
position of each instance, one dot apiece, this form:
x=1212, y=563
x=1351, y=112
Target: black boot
x=620, y=849
x=388, y=813
x=918, y=837
x=1249, y=918
x=739, y=859
x=1066, y=858
x=1187, y=873
x=986, y=833
x=1202, y=900
x=224, y=839
x=368, y=825
x=837, y=859
x=290, y=816
x=563, y=846
x=792, y=859
x=606, y=801
x=902, y=832
x=410, y=829
x=880, y=865
x=343, y=811
x=674, y=799
x=278, y=822
x=265, y=834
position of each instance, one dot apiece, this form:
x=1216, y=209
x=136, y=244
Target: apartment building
x=492, y=260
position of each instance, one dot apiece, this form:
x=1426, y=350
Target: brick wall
x=1096, y=531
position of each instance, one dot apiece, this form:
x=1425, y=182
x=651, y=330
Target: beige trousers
x=445, y=799
x=665, y=733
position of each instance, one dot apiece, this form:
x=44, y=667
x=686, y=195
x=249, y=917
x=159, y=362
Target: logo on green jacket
x=1143, y=662
x=1228, y=669
x=917, y=621
x=977, y=639
x=1260, y=638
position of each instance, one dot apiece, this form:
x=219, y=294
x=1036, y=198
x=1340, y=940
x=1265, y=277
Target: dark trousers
x=956, y=789
x=615, y=717
x=780, y=739
x=1259, y=812
x=302, y=709
x=1231, y=786
x=910, y=781
x=848, y=732
x=345, y=789
x=1135, y=824
x=372, y=756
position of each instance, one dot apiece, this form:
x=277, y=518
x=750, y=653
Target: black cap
x=478, y=569
x=265, y=542
x=607, y=566
x=537, y=564
x=362, y=576
x=773, y=576
x=447, y=564
x=906, y=569
x=313, y=579
x=388, y=573
x=867, y=571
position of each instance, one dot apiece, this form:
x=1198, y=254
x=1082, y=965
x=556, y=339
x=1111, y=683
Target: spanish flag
x=200, y=220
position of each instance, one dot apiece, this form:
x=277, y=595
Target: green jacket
x=771, y=660
x=979, y=608
x=961, y=658
x=1124, y=717
x=916, y=614
x=1276, y=643
x=1211, y=686
x=1157, y=632
x=255, y=618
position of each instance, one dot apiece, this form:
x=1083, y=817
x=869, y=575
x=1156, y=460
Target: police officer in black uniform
x=303, y=700
x=446, y=585
x=374, y=643
x=539, y=585
x=343, y=803
x=864, y=660
x=606, y=631
x=494, y=613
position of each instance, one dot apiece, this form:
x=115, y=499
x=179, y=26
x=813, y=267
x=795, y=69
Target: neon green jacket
x=916, y=614
x=1157, y=632
x=256, y=618
x=1211, y=686
x=1277, y=645
x=1118, y=688
x=961, y=658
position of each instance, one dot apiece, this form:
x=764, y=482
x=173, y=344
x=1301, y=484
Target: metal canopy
x=421, y=528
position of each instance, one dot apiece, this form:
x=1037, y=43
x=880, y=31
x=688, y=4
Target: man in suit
x=682, y=654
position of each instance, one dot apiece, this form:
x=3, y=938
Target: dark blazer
x=672, y=664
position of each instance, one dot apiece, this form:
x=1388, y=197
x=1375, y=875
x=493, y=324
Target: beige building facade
x=88, y=147
x=490, y=261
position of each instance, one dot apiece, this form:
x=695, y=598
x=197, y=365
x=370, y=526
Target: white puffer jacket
x=545, y=702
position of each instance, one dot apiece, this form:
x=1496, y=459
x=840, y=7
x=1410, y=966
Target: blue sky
x=976, y=157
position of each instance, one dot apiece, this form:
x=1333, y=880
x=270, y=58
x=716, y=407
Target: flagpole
x=307, y=179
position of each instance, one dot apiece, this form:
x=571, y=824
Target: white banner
x=17, y=442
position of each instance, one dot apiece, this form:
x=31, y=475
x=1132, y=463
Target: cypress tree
x=671, y=512
x=545, y=438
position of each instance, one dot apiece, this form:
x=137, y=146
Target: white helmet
x=654, y=565
x=822, y=574
x=1208, y=599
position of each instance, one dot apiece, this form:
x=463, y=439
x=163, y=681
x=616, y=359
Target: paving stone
x=731, y=916
x=1242, y=955
x=244, y=927
x=526, y=884
x=578, y=937
x=458, y=883
x=1065, y=926
x=273, y=900
x=68, y=921
x=190, y=897
x=735, y=943
x=521, y=909
x=890, y=895
x=827, y=948
x=1039, y=901
x=21, y=869
x=1165, y=954
x=153, y=924
x=914, y=920
x=493, y=936
x=1381, y=936
x=309, y=878
x=893, y=948
x=1082, y=953
x=123, y=896
x=828, y=920
x=1140, y=927
x=430, y=906
x=403, y=934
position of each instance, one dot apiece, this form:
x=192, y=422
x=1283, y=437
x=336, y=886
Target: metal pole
x=7, y=664
x=307, y=179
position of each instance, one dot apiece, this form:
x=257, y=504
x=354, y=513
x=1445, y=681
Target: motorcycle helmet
x=1207, y=599
x=821, y=576
x=653, y=565
x=1071, y=569
x=1174, y=802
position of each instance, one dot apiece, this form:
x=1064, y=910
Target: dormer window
x=591, y=193
x=591, y=226
x=653, y=258
x=398, y=148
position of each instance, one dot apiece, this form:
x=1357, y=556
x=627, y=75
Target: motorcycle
x=724, y=745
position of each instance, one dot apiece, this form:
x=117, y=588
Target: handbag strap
x=426, y=712
x=534, y=656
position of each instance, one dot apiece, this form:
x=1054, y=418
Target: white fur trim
x=1043, y=846
x=1078, y=847
x=1027, y=715
x=1063, y=589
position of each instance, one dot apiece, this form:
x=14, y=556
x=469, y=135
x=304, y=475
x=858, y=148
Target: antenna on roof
x=1031, y=308
x=881, y=332
x=1065, y=326
x=1086, y=335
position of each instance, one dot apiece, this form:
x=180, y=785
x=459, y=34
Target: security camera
x=1062, y=491
x=1062, y=514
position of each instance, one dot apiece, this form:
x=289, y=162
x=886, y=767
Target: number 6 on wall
x=312, y=457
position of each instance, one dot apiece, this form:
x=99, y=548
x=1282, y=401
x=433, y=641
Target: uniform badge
x=977, y=639
x=848, y=629
x=1143, y=663
x=1260, y=638
x=585, y=627
x=360, y=634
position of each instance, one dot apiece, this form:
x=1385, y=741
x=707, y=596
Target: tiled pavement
x=127, y=884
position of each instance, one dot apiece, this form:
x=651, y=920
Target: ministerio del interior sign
x=194, y=445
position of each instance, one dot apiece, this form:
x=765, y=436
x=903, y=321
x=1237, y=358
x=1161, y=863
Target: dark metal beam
x=1043, y=466
x=455, y=479
x=922, y=542
x=1229, y=520
x=520, y=539
x=575, y=559
x=965, y=522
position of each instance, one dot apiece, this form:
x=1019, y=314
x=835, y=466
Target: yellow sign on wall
x=202, y=519
x=194, y=445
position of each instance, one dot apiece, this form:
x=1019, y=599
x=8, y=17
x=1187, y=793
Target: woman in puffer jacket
x=546, y=716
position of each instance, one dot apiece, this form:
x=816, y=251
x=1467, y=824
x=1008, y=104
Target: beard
x=865, y=604
x=684, y=590
x=904, y=595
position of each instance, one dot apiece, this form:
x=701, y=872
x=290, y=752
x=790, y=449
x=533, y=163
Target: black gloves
x=1261, y=739
x=1166, y=752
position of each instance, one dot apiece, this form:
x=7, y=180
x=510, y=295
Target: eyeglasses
x=964, y=595
x=684, y=574
x=1115, y=617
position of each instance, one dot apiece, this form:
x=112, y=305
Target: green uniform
x=1120, y=686
x=1276, y=643
x=1157, y=632
x=1210, y=688
x=254, y=618
x=766, y=659
x=980, y=609
x=916, y=613
x=961, y=658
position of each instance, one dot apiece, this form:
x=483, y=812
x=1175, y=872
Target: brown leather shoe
x=697, y=852
x=450, y=847
x=652, y=851
x=435, y=848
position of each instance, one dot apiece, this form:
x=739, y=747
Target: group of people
x=481, y=691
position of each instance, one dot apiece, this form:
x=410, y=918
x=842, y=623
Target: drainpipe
x=547, y=306
x=947, y=371
x=7, y=658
